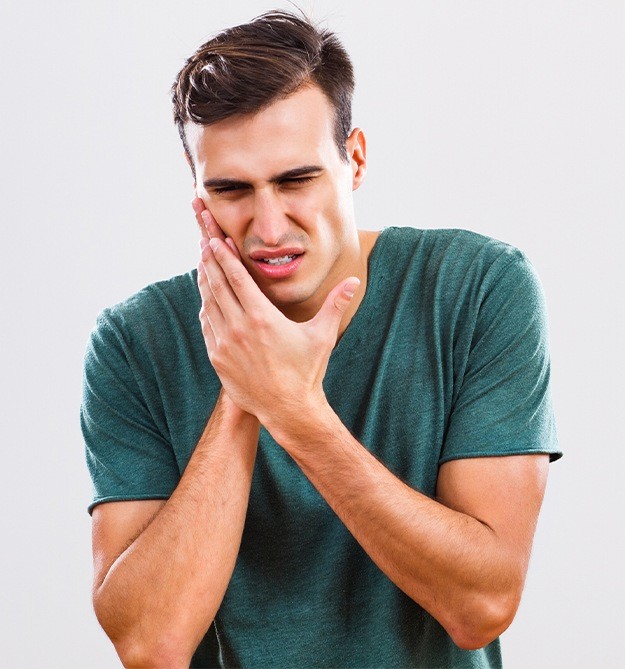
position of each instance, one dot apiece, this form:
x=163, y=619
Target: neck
x=366, y=242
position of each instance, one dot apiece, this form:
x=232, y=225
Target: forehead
x=293, y=131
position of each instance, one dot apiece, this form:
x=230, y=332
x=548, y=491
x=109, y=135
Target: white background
x=506, y=118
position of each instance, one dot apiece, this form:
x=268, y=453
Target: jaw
x=298, y=300
x=300, y=297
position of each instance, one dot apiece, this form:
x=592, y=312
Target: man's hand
x=269, y=365
x=208, y=225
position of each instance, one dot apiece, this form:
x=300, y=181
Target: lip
x=276, y=253
x=279, y=271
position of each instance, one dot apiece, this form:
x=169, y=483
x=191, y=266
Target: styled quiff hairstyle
x=246, y=68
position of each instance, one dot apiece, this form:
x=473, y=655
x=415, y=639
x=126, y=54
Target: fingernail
x=196, y=204
x=214, y=243
x=231, y=244
x=350, y=288
x=203, y=243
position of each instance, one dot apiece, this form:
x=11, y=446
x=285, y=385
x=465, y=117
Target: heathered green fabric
x=447, y=357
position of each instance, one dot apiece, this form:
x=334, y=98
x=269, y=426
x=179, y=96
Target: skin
x=317, y=216
x=144, y=551
x=462, y=556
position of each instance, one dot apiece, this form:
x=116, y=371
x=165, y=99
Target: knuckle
x=257, y=321
x=319, y=339
x=238, y=333
x=216, y=286
x=338, y=306
x=216, y=359
x=237, y=279
x=205, y=311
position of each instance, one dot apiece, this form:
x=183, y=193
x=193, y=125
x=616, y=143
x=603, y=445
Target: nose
x=269, y=222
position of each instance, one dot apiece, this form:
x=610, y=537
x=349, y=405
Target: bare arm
x=162, y=568
x=463, y=556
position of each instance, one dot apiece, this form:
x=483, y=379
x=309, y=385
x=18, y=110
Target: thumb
x=336, y=303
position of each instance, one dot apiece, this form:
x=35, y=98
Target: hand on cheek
x=209, y=227
x=249, y=341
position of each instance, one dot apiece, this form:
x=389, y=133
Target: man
x=342, y=460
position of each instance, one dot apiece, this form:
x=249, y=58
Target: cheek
x=229, y=215
x=324, y=205
x=304, y=206
x=336, y=210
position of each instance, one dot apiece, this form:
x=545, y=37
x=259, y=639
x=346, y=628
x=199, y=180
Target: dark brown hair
x=248, y=67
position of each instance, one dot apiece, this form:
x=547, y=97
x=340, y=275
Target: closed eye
x=294, y=181
x=227, y=189
x=297, y=180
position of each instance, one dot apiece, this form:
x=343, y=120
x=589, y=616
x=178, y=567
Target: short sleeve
x=127, y=456
x=503, y=406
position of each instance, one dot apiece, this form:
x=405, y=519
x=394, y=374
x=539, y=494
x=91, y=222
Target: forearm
x=164, y=590
x=450, y=563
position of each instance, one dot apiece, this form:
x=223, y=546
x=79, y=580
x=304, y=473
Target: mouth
x=280, y=267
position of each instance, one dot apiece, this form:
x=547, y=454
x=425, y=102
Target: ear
x=356, y=146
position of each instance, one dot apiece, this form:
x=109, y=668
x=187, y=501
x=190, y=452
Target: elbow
x=140, y=648
x=162, y=651
x=162, y=654
x=485, y=621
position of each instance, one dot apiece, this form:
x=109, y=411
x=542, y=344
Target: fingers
x=209, y=227
x=206, y=221
x=327, y=321
x=222, y=293
x=245, y=290
x=234, y=248
x=211, y=318
x=198, y=205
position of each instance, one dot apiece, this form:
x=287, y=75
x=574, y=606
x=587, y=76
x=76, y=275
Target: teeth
x=279, y=261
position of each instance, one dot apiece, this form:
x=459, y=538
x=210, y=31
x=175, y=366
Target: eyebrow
x=289, y=174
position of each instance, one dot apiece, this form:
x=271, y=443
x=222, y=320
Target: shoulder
x=175, y=296
x=149, y=317
x=450, y=257
x=452, y=244
x=171, y=294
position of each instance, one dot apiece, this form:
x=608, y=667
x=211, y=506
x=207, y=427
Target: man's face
x=275, y=181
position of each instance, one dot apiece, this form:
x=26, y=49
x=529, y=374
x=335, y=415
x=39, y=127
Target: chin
x=286, y=297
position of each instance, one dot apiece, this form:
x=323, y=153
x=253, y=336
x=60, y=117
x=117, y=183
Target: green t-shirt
x=447, y=357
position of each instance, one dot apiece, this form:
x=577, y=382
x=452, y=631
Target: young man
x=326, y=446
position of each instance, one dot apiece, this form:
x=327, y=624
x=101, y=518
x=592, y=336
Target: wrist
x=293, y=427
x=234, y=414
